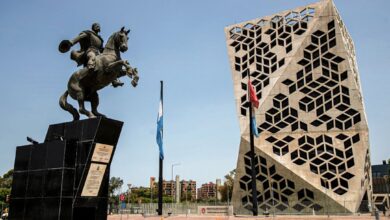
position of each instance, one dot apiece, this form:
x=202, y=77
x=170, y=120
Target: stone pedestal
x=66, y=176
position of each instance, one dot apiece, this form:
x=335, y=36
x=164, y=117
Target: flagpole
x=160, y=176
x=160, y=188
x=252, y=154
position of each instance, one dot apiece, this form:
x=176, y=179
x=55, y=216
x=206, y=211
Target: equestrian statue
x=101, y=67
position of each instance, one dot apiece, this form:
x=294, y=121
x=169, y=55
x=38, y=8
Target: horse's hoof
x=100, y=115
x=91, y=115
x=116, y=84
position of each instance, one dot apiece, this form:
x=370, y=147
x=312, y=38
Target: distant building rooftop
x=379, y=183
x=380, y=170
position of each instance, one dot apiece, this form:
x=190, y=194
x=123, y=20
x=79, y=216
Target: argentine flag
x=255, y=103
x=159, y=136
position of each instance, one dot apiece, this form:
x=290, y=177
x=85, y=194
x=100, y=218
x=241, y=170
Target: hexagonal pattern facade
x=313, y=149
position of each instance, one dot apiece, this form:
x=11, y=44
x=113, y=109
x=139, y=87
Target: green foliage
x=145, y=195
x=5, y=186
x=227, y=188
x=186, y=196
x=6, y=180
x=115, y=184
x=3, y=194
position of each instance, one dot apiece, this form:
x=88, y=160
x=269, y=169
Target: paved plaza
x=196, y=217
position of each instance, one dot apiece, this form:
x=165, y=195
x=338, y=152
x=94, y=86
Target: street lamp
x=215, y=197
x=128, y=192
x=173, y=195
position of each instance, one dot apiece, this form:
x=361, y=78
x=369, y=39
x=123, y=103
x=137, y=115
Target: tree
x=115, y=184
x=3, y=194
x=6, y=180
x=226, y=189
x=5, y=186
x=142, y=195
x=186, y=195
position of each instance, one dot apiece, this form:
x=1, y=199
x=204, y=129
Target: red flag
x=252, y=95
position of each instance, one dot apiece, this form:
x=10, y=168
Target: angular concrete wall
x=313, y=149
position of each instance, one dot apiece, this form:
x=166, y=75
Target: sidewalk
x=281, y=217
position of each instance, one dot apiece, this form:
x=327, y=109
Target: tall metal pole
x=252, y=155
x=160, y=188
x=160, y=175
x=128, y=199
x=128, y=192
x=215, y=197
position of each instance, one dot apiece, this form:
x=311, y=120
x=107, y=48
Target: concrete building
x=380, y=170
x=381, y=185
x=207, y=191
x=169, y=188
x=313, y=150
x=189, y=187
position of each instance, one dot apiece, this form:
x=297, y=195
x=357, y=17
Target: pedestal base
x=67, y=176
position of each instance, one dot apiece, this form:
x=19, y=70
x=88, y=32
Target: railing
x=168, y=208
x=278, y=209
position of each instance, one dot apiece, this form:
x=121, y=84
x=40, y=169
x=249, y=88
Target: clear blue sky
x=180, y=42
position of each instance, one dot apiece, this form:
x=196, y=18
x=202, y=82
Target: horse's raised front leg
x=95, y=104
x=115, y=66
x=133, y=74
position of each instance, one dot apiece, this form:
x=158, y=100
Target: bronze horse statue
x=84, y=83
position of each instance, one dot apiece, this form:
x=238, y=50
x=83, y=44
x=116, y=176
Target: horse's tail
x=68, y=107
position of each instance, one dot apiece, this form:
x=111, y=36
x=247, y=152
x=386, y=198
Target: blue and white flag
x=255, y=103
x=159, y=136
x=254, y=126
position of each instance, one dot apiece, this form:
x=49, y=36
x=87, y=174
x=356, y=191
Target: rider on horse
x=91, y=45
x=84, y=83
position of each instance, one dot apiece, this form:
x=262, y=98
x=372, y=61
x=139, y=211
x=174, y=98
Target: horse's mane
x=111, y=40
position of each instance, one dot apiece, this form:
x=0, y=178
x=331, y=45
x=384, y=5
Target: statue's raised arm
x=91, y=45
